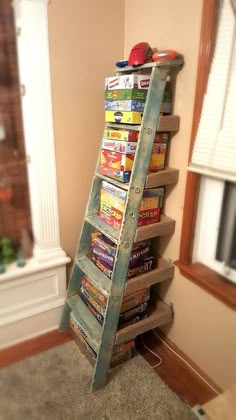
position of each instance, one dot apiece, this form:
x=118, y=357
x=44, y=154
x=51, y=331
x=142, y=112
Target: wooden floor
x=187, y=385
x=174, y=372
x=33, y=346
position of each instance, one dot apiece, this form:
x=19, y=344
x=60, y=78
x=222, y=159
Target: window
x=200, y=254
x=215, y=231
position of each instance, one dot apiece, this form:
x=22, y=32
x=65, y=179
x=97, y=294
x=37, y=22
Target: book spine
x=98, y=296
x=126, y=306
x=93, y=300
x=77, y=333
x=89, y=340
x=133, y=320
x=146, y=265
x=92, y=309
x=134, y=311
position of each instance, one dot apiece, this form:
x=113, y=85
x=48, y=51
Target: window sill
x=210, y=281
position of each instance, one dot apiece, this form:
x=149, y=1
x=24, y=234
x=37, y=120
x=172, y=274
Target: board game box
x=124, y=117
x=125, y=94
x=112, y=205
x=131, y=135
x=124, y=105
x=127, y=81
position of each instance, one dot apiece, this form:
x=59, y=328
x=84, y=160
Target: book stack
x=113, y=202
x=103, y=251
x=118, y=152
x=120, y=353
x=133, y=309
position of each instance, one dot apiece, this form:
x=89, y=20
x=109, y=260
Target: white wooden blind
x=214, y=151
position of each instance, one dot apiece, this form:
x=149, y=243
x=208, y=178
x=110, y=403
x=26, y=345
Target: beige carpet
x=55, y=385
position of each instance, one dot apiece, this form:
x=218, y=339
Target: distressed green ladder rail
x=102, y=338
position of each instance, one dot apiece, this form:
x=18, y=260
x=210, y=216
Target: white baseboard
x=30, y=327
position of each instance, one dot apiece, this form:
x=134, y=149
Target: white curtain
x=214, y=151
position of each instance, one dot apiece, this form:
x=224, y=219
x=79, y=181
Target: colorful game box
x=125, y=147
x=104, y=249
x=112, y=205
x=124, y=117
x=131, y=135
x=125, y=105
x=158, y=156
x=94, y=294
x=124, y=135
x=157, y=160
x=127, y=94
x=128, y=315
x=130, y=301
x=140, y=267
x=127, y=81
x=116, y=165
x=117, y=154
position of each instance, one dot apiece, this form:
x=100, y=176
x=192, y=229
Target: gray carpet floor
x=55, y=385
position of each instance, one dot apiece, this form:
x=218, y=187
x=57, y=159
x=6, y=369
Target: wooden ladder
x=103, y=338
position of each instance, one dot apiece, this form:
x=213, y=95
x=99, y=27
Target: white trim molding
x=34, y=68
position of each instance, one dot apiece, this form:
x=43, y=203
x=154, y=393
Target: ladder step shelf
x=103, y=227
x=164, y=271
x=158, y=315
x=165, y=226
x=123, y=185
x=165, y=176
x=167, y=123
x=131, y=69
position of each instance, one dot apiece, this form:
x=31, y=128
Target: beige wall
x=203, y=328
x=85, y=42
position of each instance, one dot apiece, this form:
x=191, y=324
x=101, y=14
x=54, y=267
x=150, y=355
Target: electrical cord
x=154, y=354
x=183, y=360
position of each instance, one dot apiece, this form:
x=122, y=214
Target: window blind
x=214, y=151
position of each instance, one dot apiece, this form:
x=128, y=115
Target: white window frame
x=215, y=147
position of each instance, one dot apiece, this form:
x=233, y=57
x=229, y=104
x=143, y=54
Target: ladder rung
x=124, y=186
x=98, y=278
x=87, y=321
x=159, y=315
x=154, y=179
x=172, y=63
x=164, y=227
x=164, y=177
x=164, y=271
x=103, y=227
x=166, y=123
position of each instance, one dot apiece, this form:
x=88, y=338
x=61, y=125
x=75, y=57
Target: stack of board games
x=128, y=107
x=121, y=352
x=112, y=205
x=133, y=309
x=125, y=97
x=118, y=152
x=103, y=251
